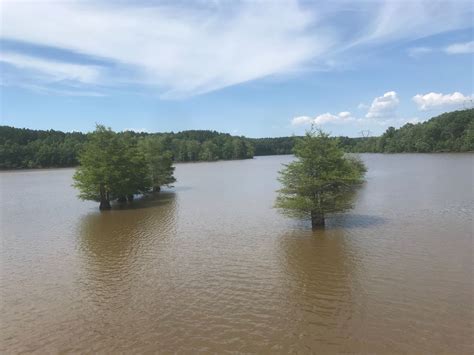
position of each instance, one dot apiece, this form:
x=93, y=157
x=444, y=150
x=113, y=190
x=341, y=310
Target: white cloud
x=137, y=130
x=344, y=114
x=182, y=50
x=437, y=100
x=52, y=70
x=402, y=20
x=383, y=106
x=301, y=120
x=326, y=118
x=341, y=117
x=460, y=48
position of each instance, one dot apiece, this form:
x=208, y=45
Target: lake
x=210, y=266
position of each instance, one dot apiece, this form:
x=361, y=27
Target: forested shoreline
x=448, y=132
x=27, y=148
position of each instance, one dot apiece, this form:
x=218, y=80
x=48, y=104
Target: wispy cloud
x=455, y=48
x=408, y=20
x=460, y=48
x=52, y=70
x=183, y=49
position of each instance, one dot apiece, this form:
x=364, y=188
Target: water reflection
x=115, y=243
x=350, y=220
x=320, y=277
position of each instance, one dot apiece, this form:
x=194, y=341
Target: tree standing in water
x=159, y=161
x=116, y=167
x=321, y=181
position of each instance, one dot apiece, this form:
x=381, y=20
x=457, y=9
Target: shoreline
x=223, y=160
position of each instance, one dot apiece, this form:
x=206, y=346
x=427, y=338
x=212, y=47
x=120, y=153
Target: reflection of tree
x=319, y=272
x=117, y=245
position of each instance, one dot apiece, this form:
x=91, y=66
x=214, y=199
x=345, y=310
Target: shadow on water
x=355, y=221
x=343, y=221
x=145, y=201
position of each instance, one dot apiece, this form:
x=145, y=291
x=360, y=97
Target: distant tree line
x=26, y=148
x=449, y=132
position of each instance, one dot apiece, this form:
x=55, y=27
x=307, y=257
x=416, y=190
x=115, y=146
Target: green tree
x=111, y=167
x=159, y=161
x=321, y=181
x=209, y=151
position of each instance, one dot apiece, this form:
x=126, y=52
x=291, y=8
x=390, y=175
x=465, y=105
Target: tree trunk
x=122, y=199
x=156, y=188
x=104, y=199
x=317, y=220
x=130, y=198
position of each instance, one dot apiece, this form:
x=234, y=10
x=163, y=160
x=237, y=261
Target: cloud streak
x=460, y=48
x=184, y=50
x=52, y=70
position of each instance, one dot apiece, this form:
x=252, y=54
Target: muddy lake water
x=210, y=266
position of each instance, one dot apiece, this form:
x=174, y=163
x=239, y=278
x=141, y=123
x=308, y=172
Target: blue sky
x=254, y=68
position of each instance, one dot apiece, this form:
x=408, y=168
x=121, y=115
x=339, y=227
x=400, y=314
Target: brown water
x=211, y=267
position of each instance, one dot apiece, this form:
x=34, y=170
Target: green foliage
x=159, y=161
x=449, y=132
x=322, y=179
x=273, y=146
x=111, y=167
x=118, y=166
x=26, y=148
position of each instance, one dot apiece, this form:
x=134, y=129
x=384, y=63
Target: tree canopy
x=321, y=181
x=116, y=167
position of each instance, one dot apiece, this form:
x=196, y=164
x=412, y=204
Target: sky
x=253, y=68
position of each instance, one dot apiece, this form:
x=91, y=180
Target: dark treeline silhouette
x=27, y=148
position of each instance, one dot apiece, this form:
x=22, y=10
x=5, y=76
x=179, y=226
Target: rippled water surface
x=210, y=266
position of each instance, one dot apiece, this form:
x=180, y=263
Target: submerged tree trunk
x=130, y=198
x=122, y=199
x=104, y=199
x=156, y=188
x=317, y=220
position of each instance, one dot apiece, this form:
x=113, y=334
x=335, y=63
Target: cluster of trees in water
x=118, y=166
x=114, y=166
x=26, y=148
